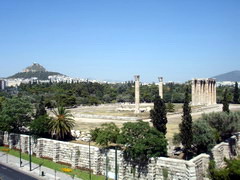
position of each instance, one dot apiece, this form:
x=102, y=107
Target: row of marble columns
x=137, y=91
x=204, y=92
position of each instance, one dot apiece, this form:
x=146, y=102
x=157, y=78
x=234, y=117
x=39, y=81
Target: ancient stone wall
x=226, y=150
x=77, y=155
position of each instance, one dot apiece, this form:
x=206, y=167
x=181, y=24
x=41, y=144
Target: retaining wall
x=77, y=156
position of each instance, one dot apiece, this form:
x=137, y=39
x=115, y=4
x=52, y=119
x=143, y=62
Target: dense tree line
x=232, y=95
x=19, y=115
x=211, y=129
x=88, y=93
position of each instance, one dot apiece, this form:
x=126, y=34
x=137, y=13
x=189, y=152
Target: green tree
x=108, y=133
x=185, y=126
x=141, y=142
x=40, y=108
x=225, y=124
x=1, y=102
x=230, y=172
x=203, y=137
x=225, y=102
x=176, y=139
x=62, y=124
x=94, y=133
x=159, y=115
x=40, y=126
x=15, y=115
x=170, y=107
x=236, y=94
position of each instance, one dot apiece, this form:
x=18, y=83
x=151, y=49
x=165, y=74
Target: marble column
x=137, y=94
x=206, y=91
x=211, y=92
x=193, y=92
x=214, y=92
x=198, y=97
x=160, y=79
x=201, y=92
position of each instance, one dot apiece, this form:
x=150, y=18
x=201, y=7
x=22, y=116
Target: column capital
x=160, y=79
x=137, y=77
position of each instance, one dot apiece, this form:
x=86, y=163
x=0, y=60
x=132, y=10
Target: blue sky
x=116, y=39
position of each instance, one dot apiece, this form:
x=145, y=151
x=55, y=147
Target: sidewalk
x=49, y=174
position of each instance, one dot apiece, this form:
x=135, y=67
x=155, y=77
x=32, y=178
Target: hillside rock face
x=36, y=71
x=35, y=67
x=230, y=76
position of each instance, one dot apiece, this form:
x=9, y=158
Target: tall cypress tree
x=158, y=115
x=185, y=126
x=225, y=102
x=40, y=109
x=236, y=94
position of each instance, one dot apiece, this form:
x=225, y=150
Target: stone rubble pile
x=82, y=136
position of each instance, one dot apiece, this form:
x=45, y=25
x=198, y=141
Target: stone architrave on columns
x=137, y=94
x=160, y=79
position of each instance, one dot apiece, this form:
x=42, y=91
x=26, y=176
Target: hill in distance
x=35, y=67
x=230, y=76
x=35, y=70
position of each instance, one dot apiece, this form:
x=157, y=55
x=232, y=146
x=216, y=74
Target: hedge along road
x=7, y=173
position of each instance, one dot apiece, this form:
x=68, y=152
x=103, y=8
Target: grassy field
x=55, y=166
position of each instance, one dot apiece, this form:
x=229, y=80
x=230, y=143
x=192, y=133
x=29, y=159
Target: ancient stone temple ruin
x=137, y=94
x=204, y=92
x=160, y=79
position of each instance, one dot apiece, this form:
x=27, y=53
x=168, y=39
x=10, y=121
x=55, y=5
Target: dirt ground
x=112, y=110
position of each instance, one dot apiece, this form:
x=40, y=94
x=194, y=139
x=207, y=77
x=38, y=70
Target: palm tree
x=62, y=124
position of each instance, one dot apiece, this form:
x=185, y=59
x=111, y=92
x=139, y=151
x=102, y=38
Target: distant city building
x=34, y=80
x=227, y=83
x=14, y=82
x=3, y=84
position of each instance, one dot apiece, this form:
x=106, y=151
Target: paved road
x=7, y=173
x=13, y=163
